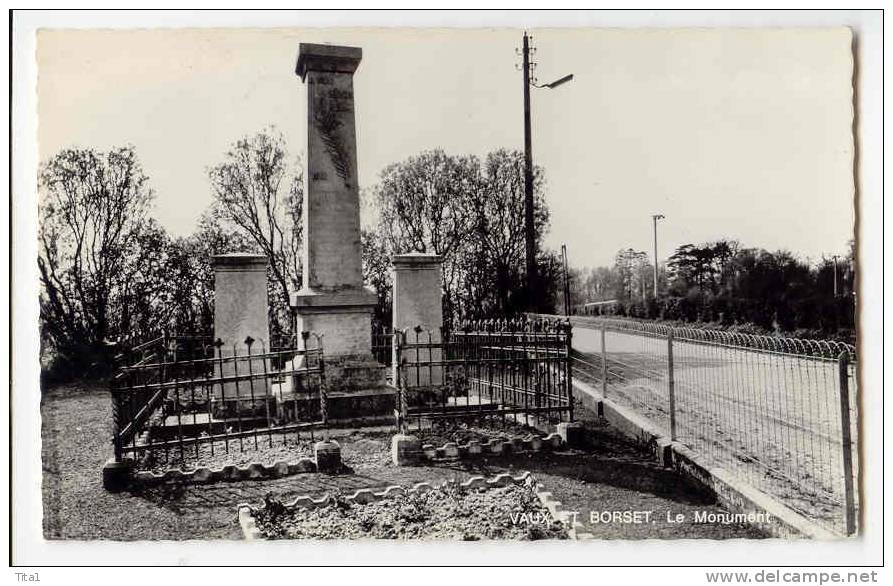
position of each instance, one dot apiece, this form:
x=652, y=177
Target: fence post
x=323, y=385
x=117, y=417
x=847, y=443
x=604, y=366
x=400, y=409
x=671, y=386
x=568, y=365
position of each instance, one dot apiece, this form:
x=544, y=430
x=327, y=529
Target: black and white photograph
x=571, y=285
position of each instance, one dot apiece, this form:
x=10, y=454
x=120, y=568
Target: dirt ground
x=611, y=475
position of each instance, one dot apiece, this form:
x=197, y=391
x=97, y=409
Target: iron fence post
x=116, y=417
x=568, y=369
x=323, y=388
x=604, y=366
x=671, y=386
x=400, y=411
x=847, y=443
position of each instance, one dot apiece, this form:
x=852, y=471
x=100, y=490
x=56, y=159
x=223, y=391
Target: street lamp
x=655, y=218
x=533, y=290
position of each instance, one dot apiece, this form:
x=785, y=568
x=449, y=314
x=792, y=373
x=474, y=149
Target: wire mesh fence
x=778, y=412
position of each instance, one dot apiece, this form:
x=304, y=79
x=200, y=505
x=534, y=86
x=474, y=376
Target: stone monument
x=332, y=300
x=418, y=302
x=240, y=313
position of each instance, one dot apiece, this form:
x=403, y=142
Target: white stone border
x=230, y=473
x=451, y=451
x=576, y=530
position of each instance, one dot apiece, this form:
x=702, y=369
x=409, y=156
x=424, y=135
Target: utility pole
x=567, y=289
x=655, y=218
x=529, y=230
x=534, y=292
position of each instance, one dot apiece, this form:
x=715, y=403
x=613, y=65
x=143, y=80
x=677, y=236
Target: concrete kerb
x=730, y=491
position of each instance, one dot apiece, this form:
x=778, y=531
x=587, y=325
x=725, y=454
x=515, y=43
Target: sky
x=729, y=133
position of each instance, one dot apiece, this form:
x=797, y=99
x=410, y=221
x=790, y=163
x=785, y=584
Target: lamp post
x=533, y=289
x=654, y=219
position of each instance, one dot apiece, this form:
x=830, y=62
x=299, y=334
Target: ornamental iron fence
x=495, y=370
x=182, y=398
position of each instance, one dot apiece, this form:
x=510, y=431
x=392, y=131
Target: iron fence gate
x=496, y=370
x=176, y=398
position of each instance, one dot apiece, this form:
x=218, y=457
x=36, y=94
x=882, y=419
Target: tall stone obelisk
x=332, y=300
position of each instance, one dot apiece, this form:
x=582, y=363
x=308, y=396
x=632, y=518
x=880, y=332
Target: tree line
x=729, y=285
x=470, y=211
x=110, y=273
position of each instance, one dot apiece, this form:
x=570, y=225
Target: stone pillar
x=332, y=300
x=240, y=312
x=417, y=302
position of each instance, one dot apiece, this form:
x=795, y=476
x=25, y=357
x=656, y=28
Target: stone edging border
x=450, y=451
x=250, y=532
x=515, y=445
x=576, y=529
x=231, y=473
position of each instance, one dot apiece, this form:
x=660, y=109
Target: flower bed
x=501, y=508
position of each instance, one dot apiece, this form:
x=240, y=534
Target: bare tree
x=98, y=255
x=376, y=272
x=258, y=192
x=498, y=246
x=425, y=205
x=472, y=215
x=191, y=290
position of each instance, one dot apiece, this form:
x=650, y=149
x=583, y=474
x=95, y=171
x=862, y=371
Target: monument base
x=343, y=318
x=348, y=373
x=373, y=406
x=234, y=407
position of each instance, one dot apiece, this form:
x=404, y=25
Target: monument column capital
x=239, y=262
x=416, y=260
x=327, y=58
